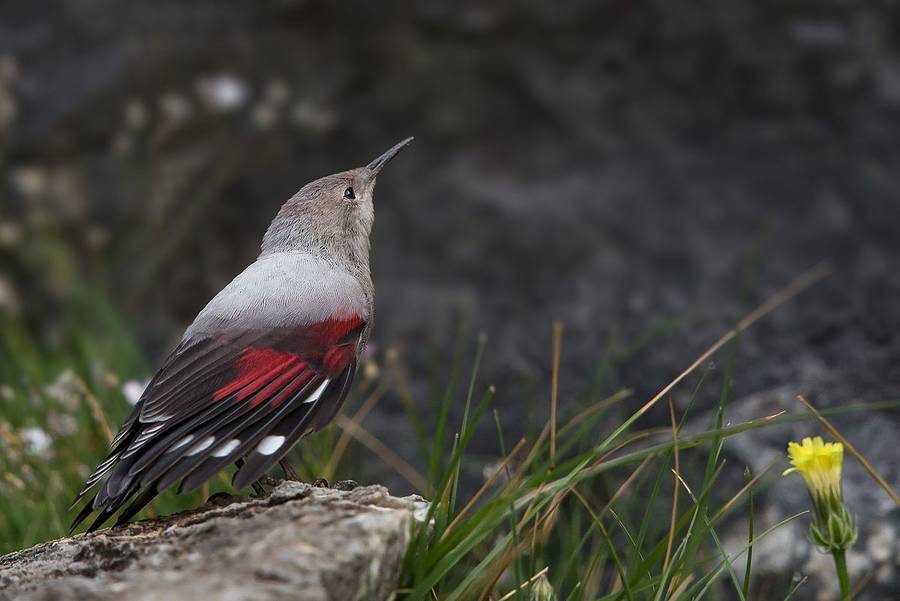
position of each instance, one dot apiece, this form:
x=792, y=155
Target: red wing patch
x=253, y=369
x=326, y=347
x=269, y=387
x=322, y=336
x=337, y=358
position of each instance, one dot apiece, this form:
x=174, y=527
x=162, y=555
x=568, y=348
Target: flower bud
x=832, y=528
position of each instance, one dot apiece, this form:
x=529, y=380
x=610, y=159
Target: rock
x=299, y=543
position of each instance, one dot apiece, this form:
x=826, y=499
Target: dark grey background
x=616, y=165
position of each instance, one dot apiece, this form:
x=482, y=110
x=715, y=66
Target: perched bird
x=269, y=359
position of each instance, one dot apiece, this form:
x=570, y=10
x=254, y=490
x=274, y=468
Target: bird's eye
x=348, y=193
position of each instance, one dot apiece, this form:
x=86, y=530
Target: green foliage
x=585, y=526
x=592, y=523
x=597, y=520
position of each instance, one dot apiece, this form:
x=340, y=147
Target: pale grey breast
x=282, y=289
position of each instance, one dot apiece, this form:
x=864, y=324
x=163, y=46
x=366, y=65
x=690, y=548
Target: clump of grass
x=578, y=515
x=542, y=515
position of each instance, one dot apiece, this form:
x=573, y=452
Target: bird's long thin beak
x=375, y=166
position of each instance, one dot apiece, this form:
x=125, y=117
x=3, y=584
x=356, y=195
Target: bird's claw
x=221, y=499
x=339, y=485
x=289, y=472
x=268, y=481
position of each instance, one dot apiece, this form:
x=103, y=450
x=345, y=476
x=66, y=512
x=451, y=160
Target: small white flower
x=62, y=423
x=66, y=390
x=30, y=180
x=223, y=92
x=133, y=389
x=37, y=441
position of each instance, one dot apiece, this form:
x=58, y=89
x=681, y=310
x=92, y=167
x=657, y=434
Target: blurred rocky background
x=643, y=171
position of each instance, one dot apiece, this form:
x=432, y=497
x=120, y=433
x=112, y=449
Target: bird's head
x=332, y=216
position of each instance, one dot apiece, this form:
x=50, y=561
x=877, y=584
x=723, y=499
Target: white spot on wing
x=269, y=445
x=181, y=443
x=226, y=448
x=315, y=396
x=201, y=446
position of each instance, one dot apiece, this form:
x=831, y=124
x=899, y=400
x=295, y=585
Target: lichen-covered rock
x=299, y=543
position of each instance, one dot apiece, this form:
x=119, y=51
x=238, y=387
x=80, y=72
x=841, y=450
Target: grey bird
x=268, y=360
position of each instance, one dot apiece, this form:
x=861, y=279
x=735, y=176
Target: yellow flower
x=832, y=527
x=819, y=463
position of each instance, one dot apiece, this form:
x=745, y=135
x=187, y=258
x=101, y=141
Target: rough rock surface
x=299, y=543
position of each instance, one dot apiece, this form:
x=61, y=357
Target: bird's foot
x=268, y=481
x=221, y=499
x=289, y=472
x=264, y=486
x=339, y=485
x=258, y=489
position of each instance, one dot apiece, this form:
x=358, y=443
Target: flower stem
x=840, y=564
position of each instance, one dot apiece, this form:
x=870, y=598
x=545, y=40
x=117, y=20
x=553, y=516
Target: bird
x=269, y=359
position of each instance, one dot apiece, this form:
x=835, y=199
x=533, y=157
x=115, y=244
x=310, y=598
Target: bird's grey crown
x=318, y=220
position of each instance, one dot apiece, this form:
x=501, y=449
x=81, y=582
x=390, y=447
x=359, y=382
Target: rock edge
x=300, y=543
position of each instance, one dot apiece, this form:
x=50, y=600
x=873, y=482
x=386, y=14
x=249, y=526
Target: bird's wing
x=233, y=388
